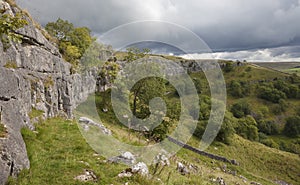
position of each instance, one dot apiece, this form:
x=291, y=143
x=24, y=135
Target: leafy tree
x=109, y=71
x=143, y=91
x=72, y=42
x=292, y=126
x=9, y=24
x=70, y=53
x=60, y=29
x=81, y=38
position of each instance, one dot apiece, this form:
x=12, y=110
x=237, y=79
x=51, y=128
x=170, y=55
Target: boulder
x=182, y=169
x=140, y=168
x=87, y=176
x=125, y=158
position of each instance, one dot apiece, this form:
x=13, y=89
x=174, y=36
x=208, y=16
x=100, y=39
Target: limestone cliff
x=41, y=79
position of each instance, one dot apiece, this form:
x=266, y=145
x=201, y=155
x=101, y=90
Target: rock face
x=42, y=80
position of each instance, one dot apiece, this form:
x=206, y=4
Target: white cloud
x=287, y=54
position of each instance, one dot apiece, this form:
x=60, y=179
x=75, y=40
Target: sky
x=258, y=30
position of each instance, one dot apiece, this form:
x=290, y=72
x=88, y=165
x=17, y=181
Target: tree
x=143, y=91
x=81, y=38
x=60, y=29
x=292, y=126
x=71, y=54
x=72, y=42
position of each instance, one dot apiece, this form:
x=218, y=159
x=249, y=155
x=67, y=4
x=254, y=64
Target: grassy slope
x=253, y=75
x=57, y=148
x=56, y=153
x=287, y=67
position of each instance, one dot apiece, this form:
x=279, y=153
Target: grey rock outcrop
x=41, y=80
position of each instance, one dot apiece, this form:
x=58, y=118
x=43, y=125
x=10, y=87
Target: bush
x=2, y=130
x=290, y=90
x=11, y=65
x=270, y=143
x=238, y=89
x=228, y=67
x=292, y=126
x=247, y=128
x=271, y=94
x=268, y=127
x=8, y=26
x=227, y=129
x=240, y=109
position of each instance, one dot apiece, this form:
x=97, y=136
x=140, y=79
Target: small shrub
x=11, y=65
x=248, y=69
x=228, y=67
x=35, y=113
x=240, y=109
x=48, y=82
x=270, y=143
x=292, y=126
x=12, y=3
x=2, y=130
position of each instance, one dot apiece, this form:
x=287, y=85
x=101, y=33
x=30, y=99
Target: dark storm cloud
x=227, y=25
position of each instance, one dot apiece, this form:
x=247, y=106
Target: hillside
x=54, y=89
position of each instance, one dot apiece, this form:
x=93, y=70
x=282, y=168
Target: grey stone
x=126, y=158
x=140, y=168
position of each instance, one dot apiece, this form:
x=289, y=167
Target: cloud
x=280, y=54
x=227, y=25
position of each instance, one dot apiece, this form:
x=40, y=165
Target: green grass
x=257, y=162
x=35, y=113
x=56, y=149
x=261, y=161
x=287, y=67
x=292, y=71
x=252, y=73
x=55, y=152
